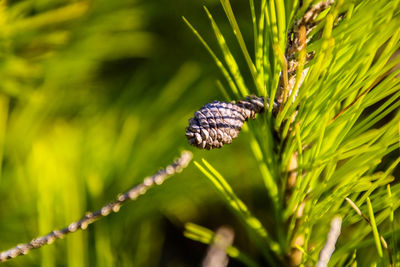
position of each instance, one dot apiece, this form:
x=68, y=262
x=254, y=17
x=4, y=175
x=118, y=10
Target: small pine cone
x=217, y=123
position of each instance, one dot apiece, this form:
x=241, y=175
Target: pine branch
x=136, y=191
x=297, y=39
x=291, y=79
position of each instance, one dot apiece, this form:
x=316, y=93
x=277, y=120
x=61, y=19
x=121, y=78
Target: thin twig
x=329, y=247
x=114, y=206
x=380, y=78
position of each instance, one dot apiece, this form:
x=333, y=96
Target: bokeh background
x=95, y=95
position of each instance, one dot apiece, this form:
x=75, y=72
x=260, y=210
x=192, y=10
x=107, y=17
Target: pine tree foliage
x=77, y=127
x=338, y=128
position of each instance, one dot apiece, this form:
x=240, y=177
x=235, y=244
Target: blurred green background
x=95, y=95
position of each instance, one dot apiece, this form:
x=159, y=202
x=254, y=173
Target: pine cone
x=217, y=123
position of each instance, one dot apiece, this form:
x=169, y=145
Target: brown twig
x=359, y=97
x=297, y=39
x=136, y=191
